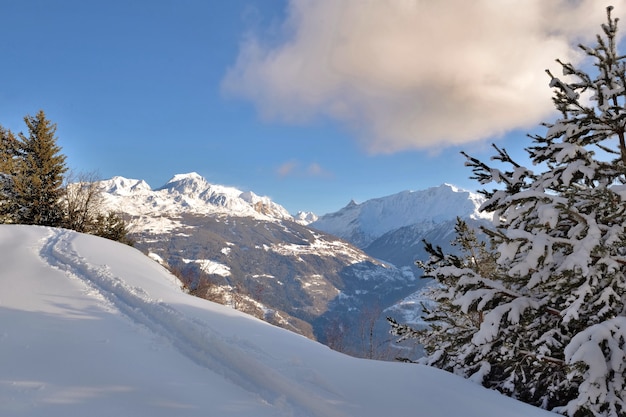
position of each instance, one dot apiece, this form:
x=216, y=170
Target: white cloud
x=316, y=170
x=408, y=74
x=294, y=168
x=286, y=168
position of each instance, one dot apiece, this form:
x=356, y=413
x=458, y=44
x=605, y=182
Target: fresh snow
x=91, y=327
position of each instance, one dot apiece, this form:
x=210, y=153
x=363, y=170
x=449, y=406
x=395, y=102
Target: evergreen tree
x=450, y=326
x=38, y=181
x=34, y=190
x=111, y=226
x=8, y=166
x=552, y=310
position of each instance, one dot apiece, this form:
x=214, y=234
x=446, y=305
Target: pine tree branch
x=543, y=358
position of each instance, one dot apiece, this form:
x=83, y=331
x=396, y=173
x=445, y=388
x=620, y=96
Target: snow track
x=192, y=337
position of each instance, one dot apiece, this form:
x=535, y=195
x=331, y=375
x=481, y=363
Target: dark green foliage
x=38, y=178
x=111, y=226
x=9, y=151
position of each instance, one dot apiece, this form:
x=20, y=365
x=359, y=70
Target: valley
x=334, y=280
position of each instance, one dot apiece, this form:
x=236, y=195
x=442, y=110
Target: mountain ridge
x=246, y=251
x=184, y=194
x=361, y=224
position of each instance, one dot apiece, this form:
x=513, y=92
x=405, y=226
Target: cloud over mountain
x=414, y=74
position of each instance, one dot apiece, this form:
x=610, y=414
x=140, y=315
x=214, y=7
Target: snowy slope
x=363, y=223
x=90, y=327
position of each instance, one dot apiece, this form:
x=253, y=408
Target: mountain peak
x=363, y=223
x=186, y=183
x=189, y=193
x=191, y=176
x=451, y=186
x=305, y=217
x=124, y=186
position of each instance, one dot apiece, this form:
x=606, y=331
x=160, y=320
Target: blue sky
x=312, y=103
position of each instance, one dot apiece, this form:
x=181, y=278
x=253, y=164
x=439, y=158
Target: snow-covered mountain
x=247, y=251
x=305, y=217
x=185, y=193
x=393, y=229
x=90, y=327
x=361, y=224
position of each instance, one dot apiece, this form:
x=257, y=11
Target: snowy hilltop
x=361, y=224
x=93, y=327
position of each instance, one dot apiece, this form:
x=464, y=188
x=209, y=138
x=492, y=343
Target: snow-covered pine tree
x=450, y=328
x=553, y=325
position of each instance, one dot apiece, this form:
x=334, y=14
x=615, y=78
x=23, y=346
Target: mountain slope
x=394, y=228
x=93, y=327
x=361, y=224
x=405, y=245
x=247, y=252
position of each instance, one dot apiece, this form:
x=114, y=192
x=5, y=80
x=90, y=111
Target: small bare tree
x=83, y=209
x=83, y=201
x=368, y=317
x=335, y=335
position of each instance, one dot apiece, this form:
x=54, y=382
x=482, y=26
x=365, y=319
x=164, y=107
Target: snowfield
x=90, y=327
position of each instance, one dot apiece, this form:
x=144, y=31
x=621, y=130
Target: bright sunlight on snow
x=90, y=327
